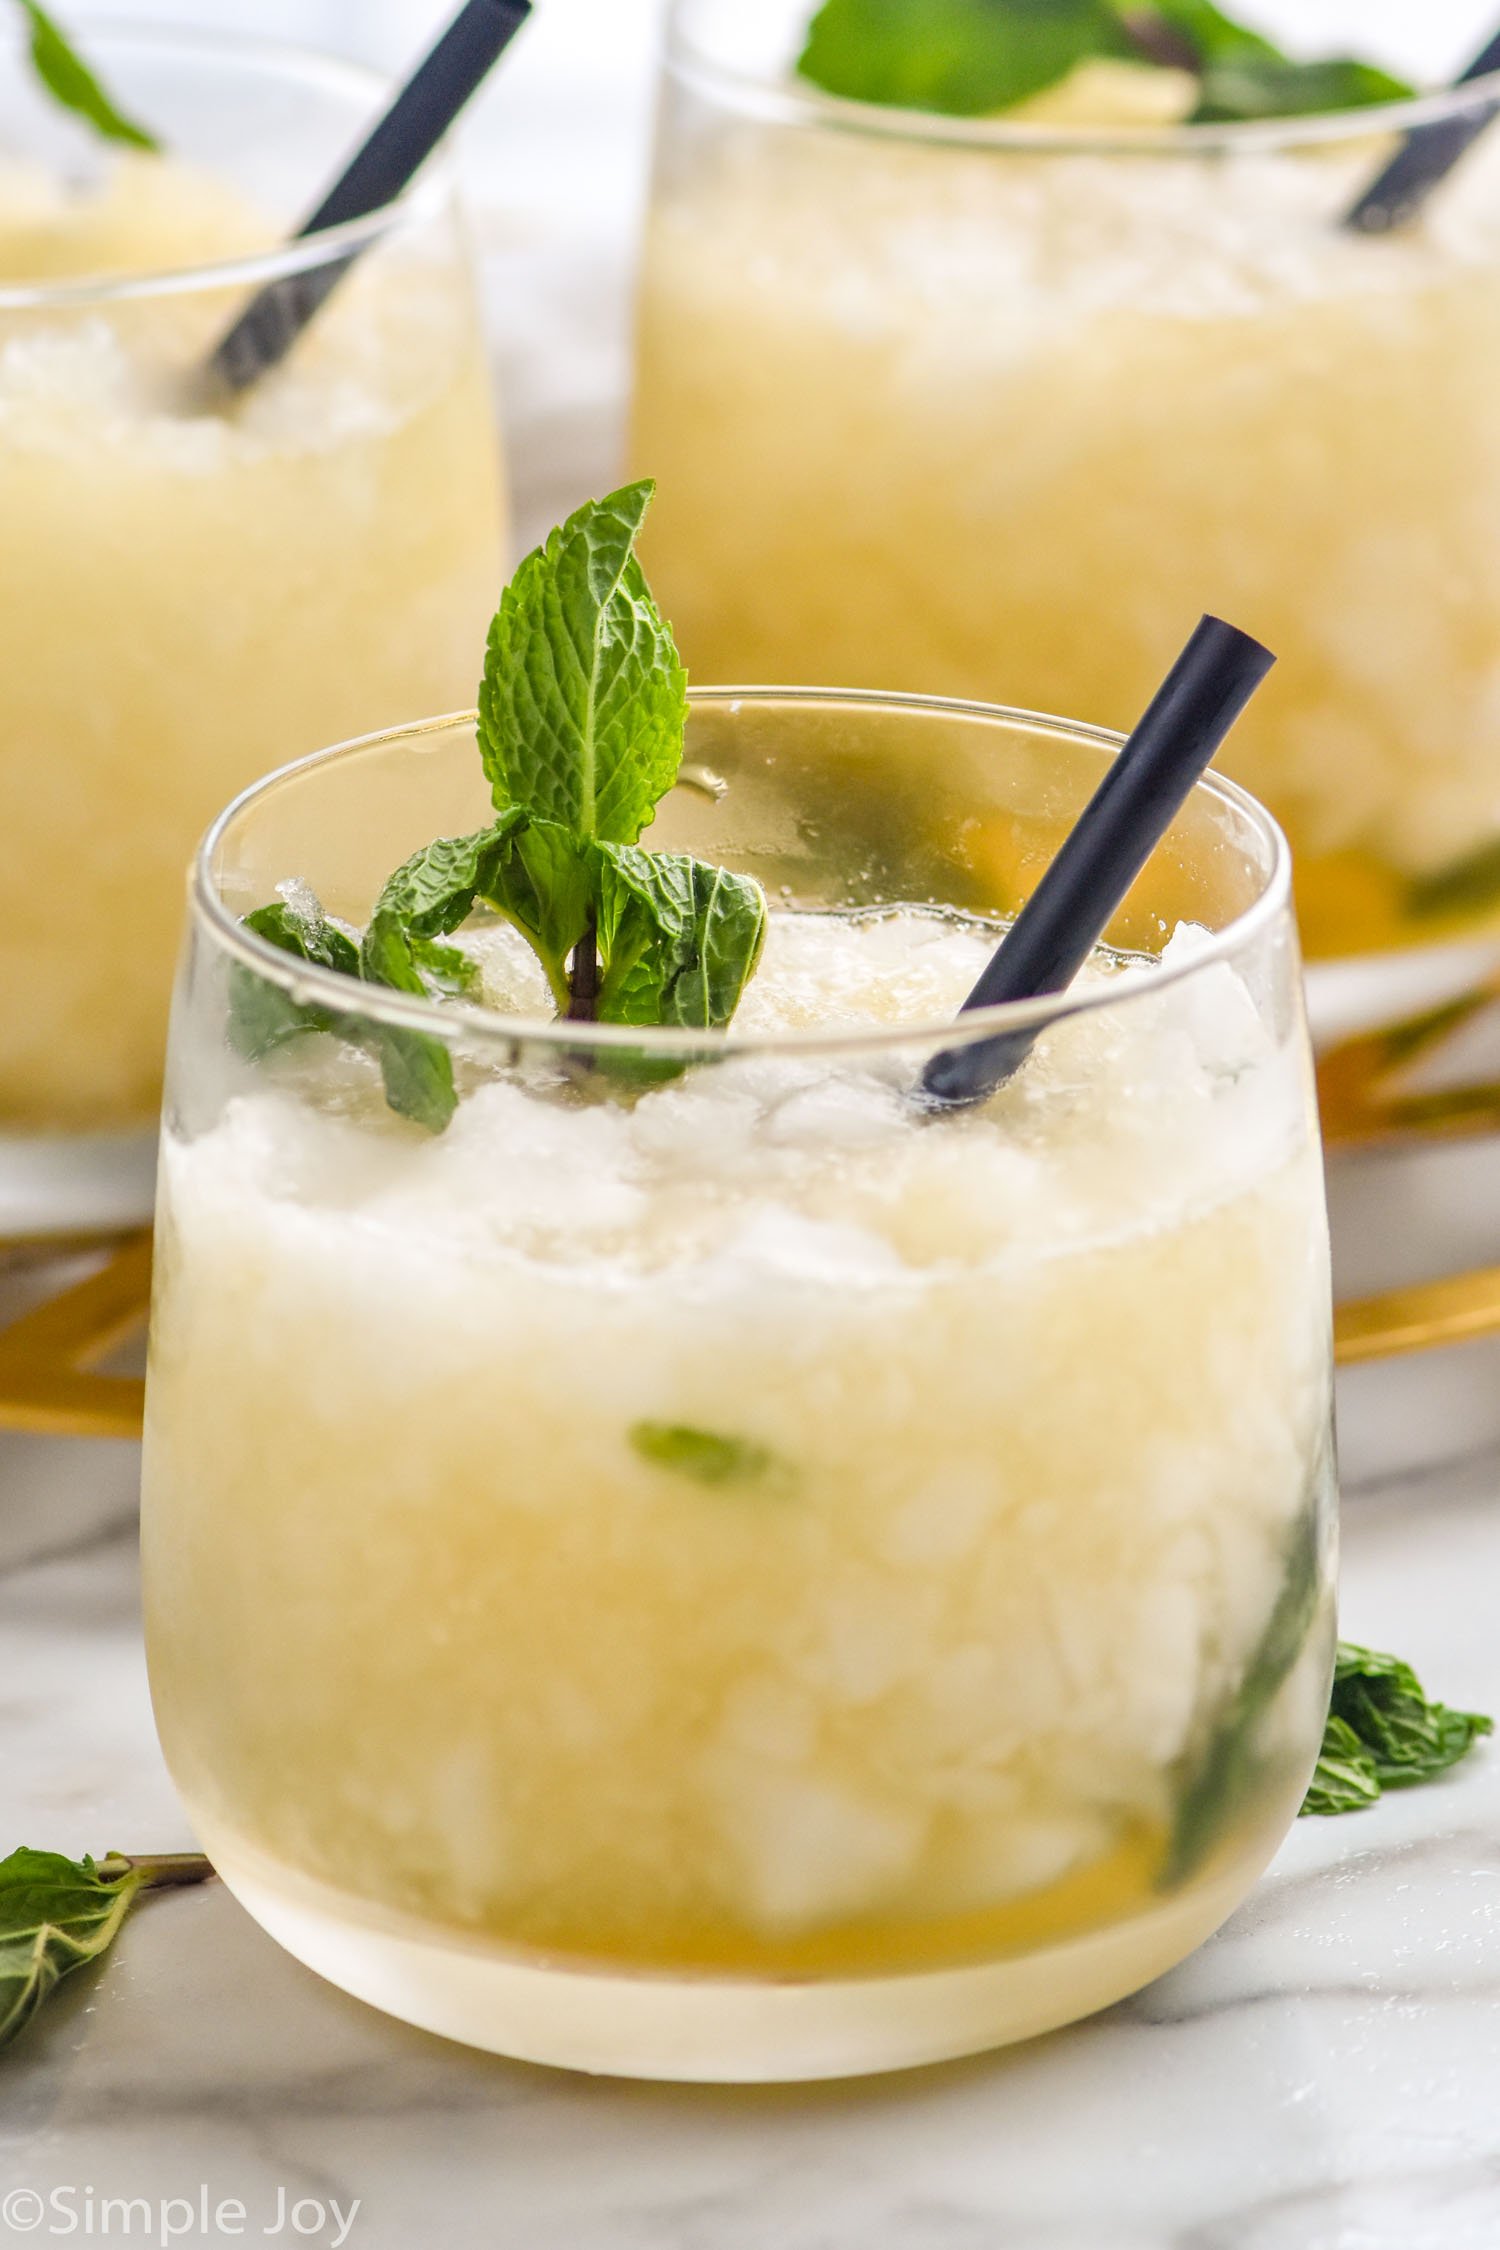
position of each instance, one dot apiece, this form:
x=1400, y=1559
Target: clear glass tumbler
x=708, y=1567
x=189, y=589
x=971, y=406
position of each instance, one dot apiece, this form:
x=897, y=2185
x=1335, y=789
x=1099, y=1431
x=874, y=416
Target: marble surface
x=1325, y=2075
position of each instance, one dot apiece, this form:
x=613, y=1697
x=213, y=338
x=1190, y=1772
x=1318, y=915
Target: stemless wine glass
x=963, y=405
x=191, y=588
x=710, y=1567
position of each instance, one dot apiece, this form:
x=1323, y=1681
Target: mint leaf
x=728, y=933
x=261, y=1016
x=57, y=1913
x=707, y=1456
x=446, y=970
x=583, y=702
x=679, y=939
x=969, y=58
x=1344, y=1778
x=531, y=871
x=1273, y=87
x=67, y=77
x=1218, y=1778
x=1383, y=1733
x=297, y=924
x=416, y=1068
x=962, y=58
x=433, y=892
x=644, y=927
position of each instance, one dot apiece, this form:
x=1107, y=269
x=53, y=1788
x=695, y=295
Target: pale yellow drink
x=187, y=596
x=977, y=1641
x=989, y=408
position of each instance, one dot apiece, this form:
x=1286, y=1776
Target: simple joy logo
x=168, y=2219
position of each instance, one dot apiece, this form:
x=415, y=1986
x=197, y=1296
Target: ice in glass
x=188, y=590
x=991, y=407
x=705, y=1566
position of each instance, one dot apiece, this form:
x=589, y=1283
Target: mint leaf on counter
x=707, y=1456
x=1383, y=1733
x=972, y=58
x=70, y=82
x=583, y=702
x=57, y=1913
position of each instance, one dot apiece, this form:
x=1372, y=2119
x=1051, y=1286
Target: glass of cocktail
x=707, y=1566
x=924, y=391
x=190, y=587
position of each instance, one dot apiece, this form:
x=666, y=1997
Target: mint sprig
x=971, y=58
x=1383, y=1733
x=57, y=1913
x=582, y=712
x=69, y=80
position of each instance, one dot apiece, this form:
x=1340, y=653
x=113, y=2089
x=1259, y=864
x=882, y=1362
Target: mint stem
x=1160, y=42
x=583, y=978
x=156, y=1870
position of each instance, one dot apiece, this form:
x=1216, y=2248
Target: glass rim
x=792, y=101
x=248, y=270
x=454, y=1021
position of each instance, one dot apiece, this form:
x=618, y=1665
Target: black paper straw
x=388, y=161
x=1425, y=157
x=1102, y=854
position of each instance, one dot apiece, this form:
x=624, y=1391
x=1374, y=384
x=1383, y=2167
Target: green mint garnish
x=582, y=712
x=707, y=1456
x=1220, y=1776
x=67, y=77
x=1383, y=1733
x=584, y=700
x=57, y=1913
x=263, y=1018
x=1234, y=90
x=679, y=938
x=971, y=58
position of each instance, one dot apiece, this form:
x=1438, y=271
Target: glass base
x=708, y=2029
x=71, y=1184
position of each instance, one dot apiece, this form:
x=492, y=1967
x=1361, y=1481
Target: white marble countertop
x=1324, y=2075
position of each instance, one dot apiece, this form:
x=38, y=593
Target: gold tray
x=49, y=1355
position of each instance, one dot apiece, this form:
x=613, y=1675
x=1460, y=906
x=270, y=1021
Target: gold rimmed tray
x=50, y=1354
